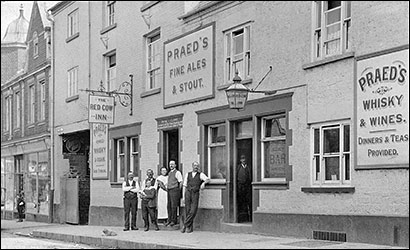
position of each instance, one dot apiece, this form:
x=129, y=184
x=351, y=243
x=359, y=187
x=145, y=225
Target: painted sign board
x=99, y=151
x=382, y=110
x=189, y=67
x=101, y=109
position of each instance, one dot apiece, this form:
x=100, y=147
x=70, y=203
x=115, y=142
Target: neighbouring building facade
x=328, y=151
x=26, y=138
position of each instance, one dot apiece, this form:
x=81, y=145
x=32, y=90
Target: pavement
x=167, y=239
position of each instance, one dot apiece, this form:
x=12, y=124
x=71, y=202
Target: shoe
x=146, y=229
x=126, y=229
x=183, y=229
x=189, y=230
x=157, y=229
x=135, y=228
x=172, y=224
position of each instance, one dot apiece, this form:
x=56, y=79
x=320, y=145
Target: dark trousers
x=130, y=205
x=151, y=211
x=20, y=210
x=244, y=202
x=173, y=204
x=191, y=207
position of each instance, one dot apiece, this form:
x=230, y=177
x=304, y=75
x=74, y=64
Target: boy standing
x=149, y=205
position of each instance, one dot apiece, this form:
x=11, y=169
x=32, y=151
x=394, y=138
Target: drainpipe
x=52, y=123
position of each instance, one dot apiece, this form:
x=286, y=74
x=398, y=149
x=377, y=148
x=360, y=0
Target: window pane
x=316, y=141
x=238, y=66
x=347, y=167
x=317, y=168
x=274, y=159
x=218, y=134
x=134, y=142
x=333, y=4
x=331, y=140
x=346, y=141
x=332, y=168
x=228, y=44
x=244, y=129
x=120, y=146
x=238, y=44
x=31, y=184
x=318, y=13
x=218, y=166
x=43, y=182
x=248, y=38
x=122, y=166
x=136, y=163
x=333, y=16
x=275, y=127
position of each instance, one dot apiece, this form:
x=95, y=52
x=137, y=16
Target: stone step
x=237, y=228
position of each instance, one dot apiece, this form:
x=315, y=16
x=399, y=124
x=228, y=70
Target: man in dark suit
x=244, y=191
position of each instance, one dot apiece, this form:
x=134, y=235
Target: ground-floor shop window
x=216, y=157
x=331, y=154
x=126, y=157
x=7, y=183
x=274, y=149
x=37, y=183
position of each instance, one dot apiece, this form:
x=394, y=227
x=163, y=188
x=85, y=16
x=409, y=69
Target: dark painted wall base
x=381, y=230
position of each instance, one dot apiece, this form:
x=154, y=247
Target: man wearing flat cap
x=130, y=188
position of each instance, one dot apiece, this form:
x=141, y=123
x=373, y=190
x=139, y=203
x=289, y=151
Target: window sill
x=331, y=190
x=69, y=39
x=148, y=5
x=150, y=92
x=328, y=60
x=108, y=28
x=270, y=185
x=116, y=185
x=216, y=184
x=225, y=86
x=72, y=98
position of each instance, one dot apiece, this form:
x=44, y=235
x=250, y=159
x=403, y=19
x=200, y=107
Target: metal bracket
x=123, y=93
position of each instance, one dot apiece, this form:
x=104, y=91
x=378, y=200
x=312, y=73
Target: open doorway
x=243, y=171
x=171, y=147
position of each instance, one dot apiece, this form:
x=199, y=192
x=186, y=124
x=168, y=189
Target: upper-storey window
x=42, y=84
x=153, y=61
x=110, y=13
x=237, y=53
x=72, y=82
x=17, y=111
x=111, y=70
x=8, y=113
x=32, y=101
x=72, y=23
x=35, y=44
x=331, y=28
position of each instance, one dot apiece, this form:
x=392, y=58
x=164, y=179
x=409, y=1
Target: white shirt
x=126, y=188
x=202, y=176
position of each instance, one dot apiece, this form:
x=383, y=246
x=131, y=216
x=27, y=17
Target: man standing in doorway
x=130, y=188
x=244, y=194
x=193, y=182
x=174, y=193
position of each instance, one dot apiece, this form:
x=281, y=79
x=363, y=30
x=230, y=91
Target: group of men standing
x=193, y=182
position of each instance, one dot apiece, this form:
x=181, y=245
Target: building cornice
x=59, y=7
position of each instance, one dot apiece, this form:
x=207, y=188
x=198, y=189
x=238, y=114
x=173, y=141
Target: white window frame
x=230, y=58
x=134, y=153
x=32, y=107
x=118, y=157
x=153, y=67
x=110, y=13
x=8, y=101
x=47, y=37
x=111, y=71
x=319, y=29
x=42, y=84
x=35, y=44
x=17, y=95
x=320, y=179
x=270, y=139
x=72, y=23
x=72, y=81
x=215, y=145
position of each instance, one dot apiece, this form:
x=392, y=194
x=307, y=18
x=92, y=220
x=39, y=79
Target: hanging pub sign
x=99, y=151
x=101, y=109
x=382, y=110
x=189, y=67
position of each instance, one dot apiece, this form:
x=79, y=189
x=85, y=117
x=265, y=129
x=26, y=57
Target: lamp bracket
x=266, y=92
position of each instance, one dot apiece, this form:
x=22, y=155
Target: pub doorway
x=243, y=171
x=171, y=147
